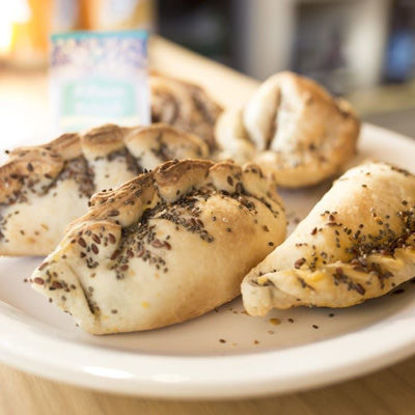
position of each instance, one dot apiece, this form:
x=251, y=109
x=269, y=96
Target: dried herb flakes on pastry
x=44, y=188
x=293, y=128
x=163, y=248
x=357, y=243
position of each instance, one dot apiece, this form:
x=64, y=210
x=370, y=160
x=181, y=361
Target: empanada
x=293, y=128
x=357, y=243
x=184, y=105
x=165, y=247
x=43, y=188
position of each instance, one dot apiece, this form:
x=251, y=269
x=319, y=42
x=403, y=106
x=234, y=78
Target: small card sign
x=98, y=78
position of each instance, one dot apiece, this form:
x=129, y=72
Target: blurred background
x=363, y=49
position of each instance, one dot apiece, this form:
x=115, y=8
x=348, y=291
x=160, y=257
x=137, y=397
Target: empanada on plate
x=184, y=105
x=165, y=247
x=357, y=243
x=44, y=188
x=293, y=128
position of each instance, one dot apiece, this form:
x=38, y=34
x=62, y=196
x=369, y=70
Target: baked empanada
x=184, y=105
x=293, y=128
x=165, y=247
x=357, y=243
x=44, y=188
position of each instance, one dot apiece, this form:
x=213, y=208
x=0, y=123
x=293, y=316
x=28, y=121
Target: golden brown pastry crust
x=357, y=243
x=184, y=105
x=302, y=135
x=165, y=247
x=49, y=185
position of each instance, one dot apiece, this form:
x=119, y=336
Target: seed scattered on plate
x=275, y=321
x=315, y=326
x=256, y=342
x=222, y=340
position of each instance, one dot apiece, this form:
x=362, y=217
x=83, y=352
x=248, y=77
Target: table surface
x=390, y=391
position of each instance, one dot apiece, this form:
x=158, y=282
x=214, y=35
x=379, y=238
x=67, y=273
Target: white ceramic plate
x=282, y=352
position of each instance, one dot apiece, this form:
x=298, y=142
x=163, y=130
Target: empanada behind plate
x=293, y=128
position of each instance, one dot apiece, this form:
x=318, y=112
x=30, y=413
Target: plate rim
x=163, y=376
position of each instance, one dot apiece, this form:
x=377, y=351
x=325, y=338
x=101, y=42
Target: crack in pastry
x=43, y=188
x=165, y=247
x=293, y=128
x=357, y=243
x=184, y=105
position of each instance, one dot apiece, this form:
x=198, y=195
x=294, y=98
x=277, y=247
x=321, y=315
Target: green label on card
x=98, y=98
